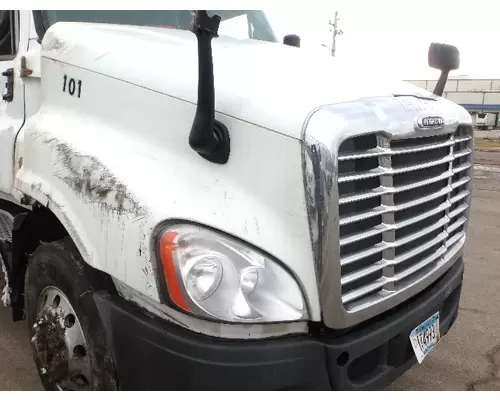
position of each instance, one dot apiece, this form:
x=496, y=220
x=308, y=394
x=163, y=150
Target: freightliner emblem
x=430, y=122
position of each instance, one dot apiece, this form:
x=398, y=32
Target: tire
x=57, y=271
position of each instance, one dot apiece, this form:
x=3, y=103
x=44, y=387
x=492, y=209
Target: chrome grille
x=402, y=206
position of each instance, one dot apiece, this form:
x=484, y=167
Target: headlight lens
x=211, y=275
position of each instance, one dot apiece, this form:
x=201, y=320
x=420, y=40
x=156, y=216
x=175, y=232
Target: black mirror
x=446, y=58
x=292, y=40
x=443, y=57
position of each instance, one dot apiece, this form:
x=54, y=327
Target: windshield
x=239, y=24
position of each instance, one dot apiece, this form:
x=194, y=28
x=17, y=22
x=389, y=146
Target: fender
x=104, y=219
x=112, y=169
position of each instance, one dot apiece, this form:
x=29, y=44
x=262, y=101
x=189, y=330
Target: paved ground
x=467, y=358
x=487, y=157
x=17, y=369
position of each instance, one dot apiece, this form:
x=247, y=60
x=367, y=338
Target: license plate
x=425, y=337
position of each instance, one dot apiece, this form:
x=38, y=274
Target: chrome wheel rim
x=59, y=342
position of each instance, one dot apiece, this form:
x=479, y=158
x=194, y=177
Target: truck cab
x=188, y=203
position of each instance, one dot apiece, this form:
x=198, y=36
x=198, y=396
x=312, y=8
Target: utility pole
x=335, y=31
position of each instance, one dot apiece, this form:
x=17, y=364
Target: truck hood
x=266, y=84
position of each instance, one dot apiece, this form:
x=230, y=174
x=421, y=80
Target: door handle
x=9, y=94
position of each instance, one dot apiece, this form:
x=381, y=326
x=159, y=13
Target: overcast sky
x=397, y=34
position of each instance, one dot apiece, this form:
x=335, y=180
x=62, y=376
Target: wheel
x=66, y=332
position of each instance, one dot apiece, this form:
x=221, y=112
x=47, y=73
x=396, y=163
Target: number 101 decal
x=72, y=86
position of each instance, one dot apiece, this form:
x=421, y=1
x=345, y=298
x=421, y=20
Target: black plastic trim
x=153, y=354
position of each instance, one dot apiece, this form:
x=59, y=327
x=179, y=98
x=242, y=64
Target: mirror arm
x=443, y=78
x=208, y=137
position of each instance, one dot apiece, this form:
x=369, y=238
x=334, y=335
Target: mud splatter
x=48, y=334
x=6, y=291
x=88, y=177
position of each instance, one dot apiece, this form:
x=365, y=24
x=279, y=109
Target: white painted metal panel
x=465, y=97
x=474, y=85
x=431, y=85
x=496, y=84
x=148, y=174
x=492, y=98
x=451, y=86
x=242, y=84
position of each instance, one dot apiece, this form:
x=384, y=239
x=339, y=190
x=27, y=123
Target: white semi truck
x=485, y=121
x=184, y=209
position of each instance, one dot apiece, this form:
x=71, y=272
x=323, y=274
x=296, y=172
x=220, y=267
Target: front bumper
x=152, y=354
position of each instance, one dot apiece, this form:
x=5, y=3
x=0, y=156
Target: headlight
x=210, y=275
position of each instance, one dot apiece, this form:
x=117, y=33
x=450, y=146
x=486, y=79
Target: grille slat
x=422, y=216
x=461, y=168
x=407, y=239
x=419, y=233
x=388, y=152
x=380, y=171
x=363, y=196
x=454, y=239
x=348, y=278
x=462, y=153
x=435, y=260
x=361, y=273
x=392, y=209
x=412, y=203
x=363, y=291
x=363, y=254
x=455, y=225
x=351, y=198
x=420, y=249
x=376, y=230
x=424, y=165
x=459, y=197
x=459, y=139
x=361, y=175
x=461, y=182
x=360, y=217
x=402, y=222
x=365, y=154
x=420, y=265
x=458, y=210
x=425, y=182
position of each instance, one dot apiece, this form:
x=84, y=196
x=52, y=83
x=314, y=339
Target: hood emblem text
x=430, y=122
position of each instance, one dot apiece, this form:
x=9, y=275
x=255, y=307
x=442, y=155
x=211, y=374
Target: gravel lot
x=468, y=358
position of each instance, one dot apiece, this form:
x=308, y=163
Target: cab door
x=14, y=37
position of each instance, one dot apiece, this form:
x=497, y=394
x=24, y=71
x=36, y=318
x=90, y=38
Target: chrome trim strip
x=324, y=130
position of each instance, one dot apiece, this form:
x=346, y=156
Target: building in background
x=481, y=97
